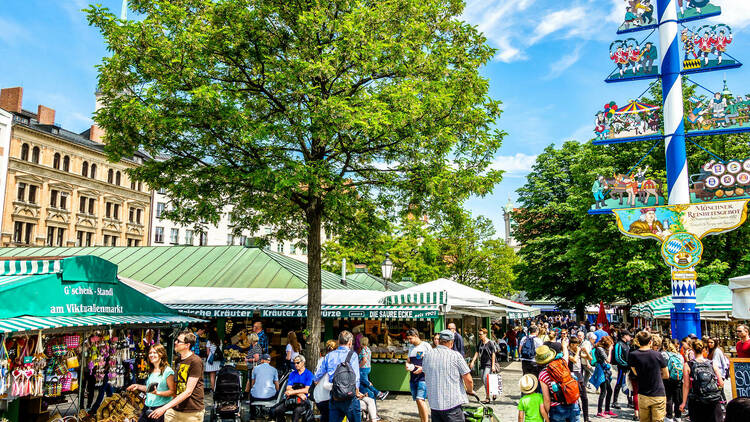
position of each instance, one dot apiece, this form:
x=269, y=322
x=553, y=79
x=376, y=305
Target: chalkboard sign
x=739, y=376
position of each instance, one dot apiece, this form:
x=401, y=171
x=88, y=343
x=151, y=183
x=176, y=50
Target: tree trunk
x=581, y=312
x=314, y=286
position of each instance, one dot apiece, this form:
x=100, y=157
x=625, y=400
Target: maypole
x=685, y=317
x=717, y=201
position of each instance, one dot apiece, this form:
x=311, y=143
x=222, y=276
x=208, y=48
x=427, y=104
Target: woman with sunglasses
x=160, y=385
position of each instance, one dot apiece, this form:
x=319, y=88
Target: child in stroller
x=227, y=395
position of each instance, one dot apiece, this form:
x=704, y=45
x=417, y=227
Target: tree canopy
x=577, y=258
x=300, y=113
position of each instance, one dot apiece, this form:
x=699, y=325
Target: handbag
x=72, y=341
x=492, y=384
x=72, y=360
x=598, y=377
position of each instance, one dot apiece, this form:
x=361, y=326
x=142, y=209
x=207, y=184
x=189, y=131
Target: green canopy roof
x=371, y=282
x=75, y=291
x=714, y=301
x=199, y=266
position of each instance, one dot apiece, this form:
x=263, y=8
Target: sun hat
x=528, y=384
x=544, y=355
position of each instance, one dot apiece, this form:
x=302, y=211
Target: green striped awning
x=714, y=298
x=420, y=298
x=30, y=323
x=30, y=267
x=387, y=312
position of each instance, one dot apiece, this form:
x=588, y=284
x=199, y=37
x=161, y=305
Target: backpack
x=703, y=384
x=528, y=351
x=674, y=366
x=567, y=386
x=344, y=380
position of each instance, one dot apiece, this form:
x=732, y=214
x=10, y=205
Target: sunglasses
x=180, y=341
x=297, y=361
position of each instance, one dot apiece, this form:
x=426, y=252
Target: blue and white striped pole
x=685, y=317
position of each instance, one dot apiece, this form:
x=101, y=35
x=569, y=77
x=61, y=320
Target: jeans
x=584, y=395
x=365, y=386
x=349, y=408
x=324, y=409
x=512, y=352
x=621, y=374
x=705, y=412
x=605, y=395
x=673, y=389
x=564, y=413
x=455, y=414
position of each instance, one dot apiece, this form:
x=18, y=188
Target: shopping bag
x=598, y=377
x=492, y=384
x=71, y=361
x=72, y=341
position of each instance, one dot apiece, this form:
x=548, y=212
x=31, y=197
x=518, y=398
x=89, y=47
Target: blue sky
x=549, y=70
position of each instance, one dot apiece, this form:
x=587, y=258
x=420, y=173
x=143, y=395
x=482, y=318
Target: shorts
x=418, y=390
x=174, y=416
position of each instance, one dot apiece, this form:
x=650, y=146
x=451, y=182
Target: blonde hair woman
x=292, y=349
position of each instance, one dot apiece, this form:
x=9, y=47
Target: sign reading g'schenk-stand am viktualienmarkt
x=69, y=287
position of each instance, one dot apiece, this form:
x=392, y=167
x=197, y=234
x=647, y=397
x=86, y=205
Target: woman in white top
x=212, y=365
x=292, y=349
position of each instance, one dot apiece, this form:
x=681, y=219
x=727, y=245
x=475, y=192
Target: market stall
x=740, y=288
x=714, y=302
x=283, y=310
x=69, y=325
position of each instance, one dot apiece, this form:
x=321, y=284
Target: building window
x=132, y=184
x=108, y=209
x=174, y=236
x=110, y=176
x=85, y=169
x=117, y=178
x=21, y=192
x=134, y=242
x=56, y=161
x=110, y=240
x=63, y=201
x=140, y=186
x=159, y=235
x=162, y=191
x=188, y=237
x=230, y=239
x=35, y=155
x=280, y=247
x=87, y=201
x=160, y=209
x=32, y=194
x=138, y=213
x=66, y=163
x=25, y=152
x=203, y=239
x=93, y=171
x=131, y=215
x=243, y=240
x=53, y=198
x=84, y=238
x=23, y=232
x=55, y=236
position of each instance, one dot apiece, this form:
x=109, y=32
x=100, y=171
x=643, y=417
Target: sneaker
x=635, y=417
x=611, y=413
x=382, y=395
x=602, y=415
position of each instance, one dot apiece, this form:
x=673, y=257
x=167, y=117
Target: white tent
x=740, y=287
x=462, y=298
x=179, y=295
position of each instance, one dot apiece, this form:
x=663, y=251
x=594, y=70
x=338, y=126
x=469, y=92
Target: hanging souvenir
x=705, y=48
x=72, y=341
x=634, y=60
x=4, y=368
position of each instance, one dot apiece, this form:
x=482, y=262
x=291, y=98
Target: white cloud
x=514, y=164
x=555, y=21
x=735, y=13
x=561, y=65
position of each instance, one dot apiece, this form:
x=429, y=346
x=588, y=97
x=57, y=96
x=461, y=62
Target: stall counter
x=390, y=377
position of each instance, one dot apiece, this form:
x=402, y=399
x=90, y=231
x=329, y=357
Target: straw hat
x=528, y=384
x=544, y=355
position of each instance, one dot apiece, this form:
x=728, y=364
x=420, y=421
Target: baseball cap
x=446, y=335
x=265, y=356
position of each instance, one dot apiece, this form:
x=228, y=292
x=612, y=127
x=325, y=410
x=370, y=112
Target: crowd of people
x=662, y=379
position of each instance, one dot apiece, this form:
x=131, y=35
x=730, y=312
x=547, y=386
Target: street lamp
x=386, y=269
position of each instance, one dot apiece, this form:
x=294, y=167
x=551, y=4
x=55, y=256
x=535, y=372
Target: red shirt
x=743, y=349
x=547, y=379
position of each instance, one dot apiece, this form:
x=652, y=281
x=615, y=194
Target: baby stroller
x=502, y=351
x=227, y=395
x=479, y=413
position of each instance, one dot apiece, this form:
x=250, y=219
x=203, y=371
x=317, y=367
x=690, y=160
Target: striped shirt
x=545, y=377
x=443, y=369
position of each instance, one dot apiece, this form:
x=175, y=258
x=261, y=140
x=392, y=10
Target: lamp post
x=386, y=269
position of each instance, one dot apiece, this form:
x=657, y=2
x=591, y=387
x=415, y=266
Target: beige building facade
x=60, y=189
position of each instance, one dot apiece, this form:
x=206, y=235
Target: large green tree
x=579, y=259
x=300, y=113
